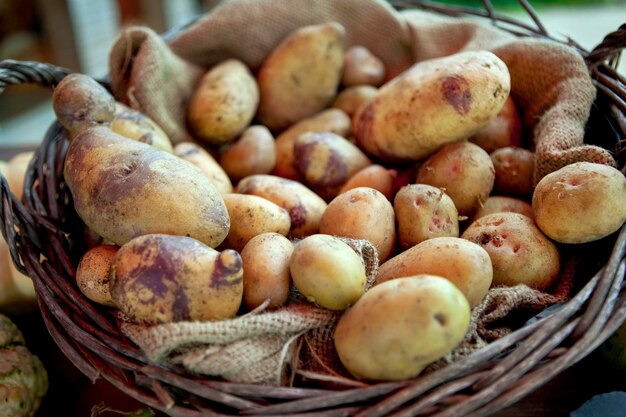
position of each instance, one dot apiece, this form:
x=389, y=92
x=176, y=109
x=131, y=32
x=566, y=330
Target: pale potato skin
x=165, y=278
x=93, y=274
x=122, y=189
x=373, y=176
x=431, y=104
x=502, y=130
x=362, y=213
x=201, y=158
x=424, y=212
x=266, y=275
x=351, y=98
x=520, y=253
x=327, y=271
x=136, y=125
x=515, y=169
x=15, y=171
x=500, y=203
x=466, y=264
x=251, y=215
x=301, y=75
x=580, y=202
x=224, y=103
x=464, y=170
x=399, y=327
x=362, y=67
x=305, y=208
x=253, y=153
x=329, y=120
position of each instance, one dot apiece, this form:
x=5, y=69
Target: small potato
x=224, y=103
x=304, y=206
x=515, y=168
x=424, y=212
x=580, y=202
x=350, y=99
x=502, y=130
x=253, y=153
x=266, y=274
x=15, y=172
x=201, y=158
x=373, y=176
x=250, y=216
x=136, y=125
x=362, y=213
x=93, y=274
x=327, y=271
x=499, y=204
x=464, y=171
x=519, y=252
x=361, y=67
x=465, y=264
x=329, y=120
x=326, y=161
x=301, y=75
x=401, y=326
x=165, y=278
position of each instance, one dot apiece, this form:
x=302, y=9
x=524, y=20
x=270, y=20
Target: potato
x=304, y=206
x=301, y=75
x=136, y=125
x=431, y=104
x=327, y=271
x=465, y=264
x=326, y=161
x=503, y=130
x=580, y=202
x=362, y=67
x=201, y=158
x=15, y=172
x=93, y=274
x=424, y=212
x=329, y=120
x=399, y=327
x=350, y=99
x=17, y=291
x=373, y=176
x=362, y=213
x=224, y=103
x=122, y=189
x=253, y=153
x=515, y=168
x=464, y=171
x=164, y=278
x=251, y=215
x=519, y=252
x=499, y=204
x=266, y=273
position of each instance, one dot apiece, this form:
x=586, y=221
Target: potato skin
x=93, y=274
x=164, y=278
x=136, y=125
x=350, y=99
x=373, y=176
x=362, y=67
x=201, y=158
x=431, y=104
x=502, y=130
x=253, y=153
x=580, y=202
x=515, y=169
x=499, y=204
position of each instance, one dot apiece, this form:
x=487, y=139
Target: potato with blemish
x=350, y=99
x=362, y=213
x=305, y=208
x=519, y=252
x=122, y=189
x=253, y=153
x=136, y=125
x=464, y=170
x=301, y=75
x=224, y=103
x=373, y=176
x=93, y=274
x=424, y=212
x=201, y=158
x=266, y=273
x=431, y=104
x=164, y=278
x=580, y=202
x=515, y=169
x=502, y=130
x=362, y=67
x=251, y=215
x=500, y=203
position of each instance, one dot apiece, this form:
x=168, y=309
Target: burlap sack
x=549, y=80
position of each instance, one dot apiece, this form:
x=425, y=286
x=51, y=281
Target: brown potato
x=373, y=176
x=136, y=125
x=93, y=274
x=515, y=168
x=361, y=67
x=350, y=99
x=201, y=158
x=504, y=129
x=499, y=204
x=253, y=153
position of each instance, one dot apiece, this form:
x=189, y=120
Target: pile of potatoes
x=431, y=166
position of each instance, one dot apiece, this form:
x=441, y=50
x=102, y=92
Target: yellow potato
x=253, y=153
x=361, y=67
x=373, y=176
x=515, y=168
x=136, y=125
x=301, y=75
x=201, y=158
x=504, y=129
x=499, y=204
x=350, y=99
x=93, y=274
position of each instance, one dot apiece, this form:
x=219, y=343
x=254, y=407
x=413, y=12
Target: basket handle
x=14, y=72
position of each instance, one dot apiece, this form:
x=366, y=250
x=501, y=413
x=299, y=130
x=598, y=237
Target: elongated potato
x=431, y=104
x=253, y=153
x=200, y=157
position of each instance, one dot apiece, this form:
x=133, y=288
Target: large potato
x=373, y=176
x=515, y=169
x=301, y=75
x=253, y=153
x=465, y=264
x=580, y=202
x=93, y=274
x=164, y=278
x=201, y=158
x=362, y=67
x=399, y=327
x=431, y=104
x=502, y=130
x=362, y=213
x=224, y=103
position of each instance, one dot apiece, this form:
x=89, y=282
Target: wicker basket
x=45, y=239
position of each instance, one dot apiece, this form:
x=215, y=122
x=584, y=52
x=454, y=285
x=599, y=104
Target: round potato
x=499, y=204
x=350, y=99
x=515, y=168
x=502, y=130
x=373, y=176
x=197, y=155
x=253, y=153
x=136, y=125
x=362, y=67
x=93, y=274
x=581, y=202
